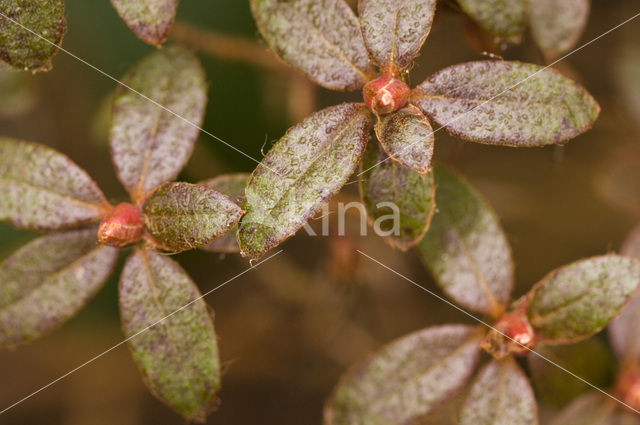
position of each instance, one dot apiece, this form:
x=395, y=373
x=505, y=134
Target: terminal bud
x=121, y=227
x=386, y=94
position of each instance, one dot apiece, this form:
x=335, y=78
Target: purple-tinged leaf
x=394, y=30
x=170, y=333
x=407, y=379
x=558, y=24
x=507, y=103
x=400, y=202
x=465, y=248
x=182, y=216
x=500, y=395
x=150, y=20
x=502, y=18
x=301, y=173
x=150, y=145
x=594, y=409
x=20, y=48
x=48, y=281
x=42, y=189
x=233, y=186
x=407, y=137
x=576, y=301
x=321, y=38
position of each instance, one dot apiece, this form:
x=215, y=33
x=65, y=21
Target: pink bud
x=386, y=94
x=512, y=334
x=121, y=227
x=628, y=386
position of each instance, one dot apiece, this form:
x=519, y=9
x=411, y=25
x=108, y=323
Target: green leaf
x=500, y=395
x=465, y=248
x=506, y=103
x=394, y=31
x=407, y=137
x=558, y=24
x=42, y=189
x=22, y=49
x=182, y=216
x=502, y=18
x=407, y=379
x=233, y=186
x=301, y=173
x=48, y=281
x=150, y=145
x=589, y=359
x=170, y=333
x=399, y=201
x=578, y=300
x=321, y=38
x=593, y=409
x=150, y=20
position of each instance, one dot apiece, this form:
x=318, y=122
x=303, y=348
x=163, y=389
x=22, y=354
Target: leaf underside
x=557, y=25
x=150, y=20
x=172, y=338
x=502, y=18
x=506, y=103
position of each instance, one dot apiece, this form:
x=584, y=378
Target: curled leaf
x=407, y=379
x=150, y=145
x=578, y=300
x=465, y=248
x=394, y=31
x=500, y=395
x=48, y=281
x=400, y=202
x=23, y=49
x=42, y=189
x=170, y=333
x=150, y=20
x=321, y=38
x=506, y=103
x=502, y=18
x=301, y=173
x=558, y=24
x=182, y=216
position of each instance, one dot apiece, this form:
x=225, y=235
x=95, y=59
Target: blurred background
x=290, y=328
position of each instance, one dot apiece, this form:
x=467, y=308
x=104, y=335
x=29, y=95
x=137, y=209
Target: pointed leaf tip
x=502, y=18
x=557, y=25
x=150, y=20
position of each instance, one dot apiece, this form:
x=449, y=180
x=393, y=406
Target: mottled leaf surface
x=407, y=137
x=173, y=341
x=500, y=395
x=394, y=30
x=406, y=379
x=593, y=409
x=321, y=38
x=558, y=24
x=48, y=281
x=506, y=103
x=300, y=173
x=182, y=216
x=233, y=186
x=150, y=20
x=42, y=189
x=503, y=18
x=465, y=248
x=150, y=145
x=390, y=190
x=22, y=49
x=578, y=300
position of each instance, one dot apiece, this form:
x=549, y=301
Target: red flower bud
x=512, y=334
x=386, y=94
x=121, y=227
x=628, y=386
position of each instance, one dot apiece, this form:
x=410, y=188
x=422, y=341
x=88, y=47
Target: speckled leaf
x=394, y=30
x=182, y=216
x=407, y=137
x=502, y=18
x=173, y=341
x=576, y=301
x=506, y=103
x=150, y=20
x=407, y=379
x=558, y=24
x=42, y=189
x=48, y=281
x=387, y=189
x=149, y=145
x=593, y=409
x=321, y=38
x=465, y=248
x=22, y=49
x=301, y=173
